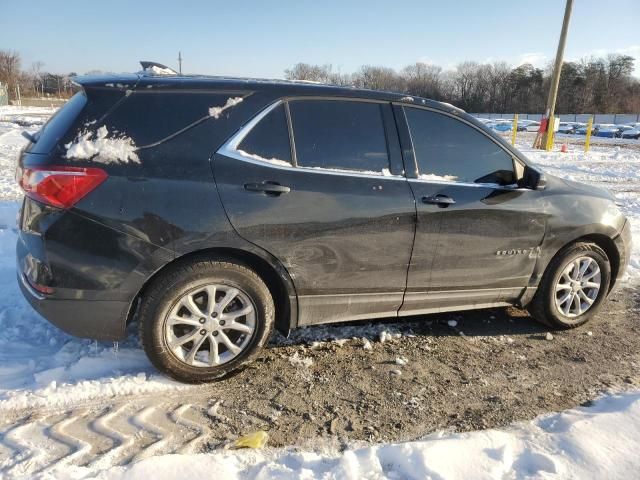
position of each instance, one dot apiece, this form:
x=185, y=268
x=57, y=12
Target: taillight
x=59, y=186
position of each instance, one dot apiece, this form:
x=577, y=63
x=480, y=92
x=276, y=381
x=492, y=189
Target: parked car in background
x=501, y=125
x=568, y=128
x=583, y=130
x=631, y=133
x=212, y=211
x=528, y=125
x=606, y=130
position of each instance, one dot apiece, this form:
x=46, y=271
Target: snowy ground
x=600, y=441
x=41, y=366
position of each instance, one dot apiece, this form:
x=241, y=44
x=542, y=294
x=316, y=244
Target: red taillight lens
x=60, y=187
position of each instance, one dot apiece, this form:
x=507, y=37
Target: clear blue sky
x=252, y=38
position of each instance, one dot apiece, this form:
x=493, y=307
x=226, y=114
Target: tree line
x=33, y=82
x=591, y=85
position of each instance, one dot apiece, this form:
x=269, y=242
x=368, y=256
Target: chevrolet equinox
x=213, y=210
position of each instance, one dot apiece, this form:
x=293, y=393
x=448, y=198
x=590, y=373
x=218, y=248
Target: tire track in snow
x=99, y=438
x=202, y=432
x=121, y=441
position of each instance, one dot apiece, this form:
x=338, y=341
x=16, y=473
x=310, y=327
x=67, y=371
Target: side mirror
x=532, y=179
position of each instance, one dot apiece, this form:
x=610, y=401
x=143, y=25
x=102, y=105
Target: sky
x=262, y=39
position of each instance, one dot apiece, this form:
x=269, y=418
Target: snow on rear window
x=215, y=112
x=101, y=147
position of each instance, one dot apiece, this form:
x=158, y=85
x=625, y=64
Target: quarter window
x=339, y=134
x=447, y=149
x=269, y=139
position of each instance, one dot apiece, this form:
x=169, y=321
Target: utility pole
x=541, y=137
x=180, y=63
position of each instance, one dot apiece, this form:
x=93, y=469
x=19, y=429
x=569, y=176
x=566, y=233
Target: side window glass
x=447, y=149
x=268, y=141
x=340, y=135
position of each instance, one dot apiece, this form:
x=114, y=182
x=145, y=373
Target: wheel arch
x=272, y=272
x=603, y=241
x=608, y=245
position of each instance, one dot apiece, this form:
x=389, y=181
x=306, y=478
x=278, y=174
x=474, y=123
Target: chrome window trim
x=230, y=149
x=495, y=186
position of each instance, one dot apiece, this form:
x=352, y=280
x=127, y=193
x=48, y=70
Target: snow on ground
x=41, y=366
x=599, y=441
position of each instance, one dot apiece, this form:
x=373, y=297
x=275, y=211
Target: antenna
x=180, y=63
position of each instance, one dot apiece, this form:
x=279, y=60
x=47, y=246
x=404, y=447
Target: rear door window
x=447, y=149
x=339, y=135
x=269, y=139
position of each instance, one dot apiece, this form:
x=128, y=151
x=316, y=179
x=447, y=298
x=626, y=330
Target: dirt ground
x=492, y=368
x=329, y=386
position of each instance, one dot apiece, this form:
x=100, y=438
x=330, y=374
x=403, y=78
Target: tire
x=547, y=306
x=178, y=306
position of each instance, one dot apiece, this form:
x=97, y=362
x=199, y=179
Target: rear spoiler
x=124, y=81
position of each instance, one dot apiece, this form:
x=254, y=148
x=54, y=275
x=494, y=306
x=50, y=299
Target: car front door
x=478, y=234
x=333, y=207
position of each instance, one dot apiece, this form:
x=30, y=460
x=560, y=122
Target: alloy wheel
x=578, y=286
x=210, y=325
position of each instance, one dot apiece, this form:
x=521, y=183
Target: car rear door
x=332, y=205
x=477, y=234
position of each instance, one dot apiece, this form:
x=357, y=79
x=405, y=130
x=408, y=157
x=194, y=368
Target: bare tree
x=10, y=70
x=36, y=77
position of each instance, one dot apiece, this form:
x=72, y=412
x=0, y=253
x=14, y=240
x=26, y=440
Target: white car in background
x=528, y=125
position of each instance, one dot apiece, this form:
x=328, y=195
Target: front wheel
x=205, y=319
x=573, y=287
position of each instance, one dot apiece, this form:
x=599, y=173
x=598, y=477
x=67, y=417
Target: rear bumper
x=95, y=319
x=80, y=275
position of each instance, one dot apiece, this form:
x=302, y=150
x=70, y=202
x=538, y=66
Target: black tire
x=543, y=307
x=162, y=296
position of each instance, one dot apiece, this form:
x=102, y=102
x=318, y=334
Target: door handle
x=443, y=201
x=270, y=188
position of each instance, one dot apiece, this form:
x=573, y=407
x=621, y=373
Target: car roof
x=139, y=81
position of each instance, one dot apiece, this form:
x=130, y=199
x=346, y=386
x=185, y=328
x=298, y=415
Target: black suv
x=212, y=210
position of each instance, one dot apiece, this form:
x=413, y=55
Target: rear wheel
x=573, y=287
x=203, y=320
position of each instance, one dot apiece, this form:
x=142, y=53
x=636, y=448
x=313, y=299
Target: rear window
x=58, y=125
x=339, y=134
x=149, y=117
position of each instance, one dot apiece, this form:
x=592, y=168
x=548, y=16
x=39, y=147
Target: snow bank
x=215, y=112
x=595, y=442
x=100, y=147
